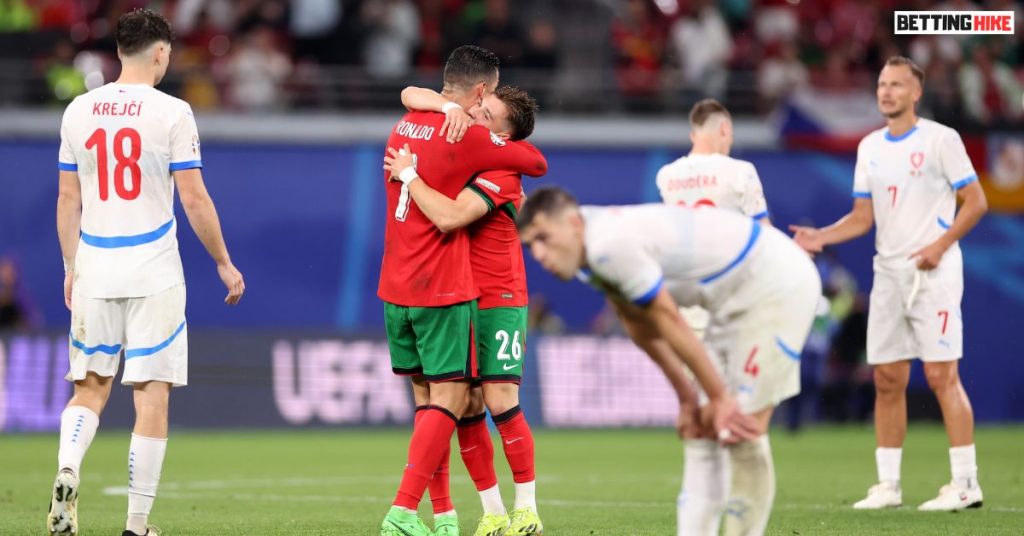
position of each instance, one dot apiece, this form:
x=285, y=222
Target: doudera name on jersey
x=954, y=22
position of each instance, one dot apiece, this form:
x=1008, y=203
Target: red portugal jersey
x=423, y=267
x=495, y=252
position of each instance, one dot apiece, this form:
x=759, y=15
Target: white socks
x=491, y=500
x=964, y=466
x=145, y=459
x=704, y=490
x=77, y=428
x=526, y=495
x=888, y=461
x=753, y=488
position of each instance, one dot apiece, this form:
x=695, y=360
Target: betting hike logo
x=953, y=22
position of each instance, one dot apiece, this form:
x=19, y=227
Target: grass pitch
x=602, y=482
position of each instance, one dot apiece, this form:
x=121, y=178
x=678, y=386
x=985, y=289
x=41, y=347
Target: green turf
x=621, y=482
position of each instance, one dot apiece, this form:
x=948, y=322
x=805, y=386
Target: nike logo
x=463, y=451
x=510, y=367
x=510, y=441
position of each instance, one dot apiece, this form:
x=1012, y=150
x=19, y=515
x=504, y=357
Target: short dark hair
x=140, y=28
x=704, y=109
x=470, y=64
x=544, y=200
x=522, y=110
x=903, y=60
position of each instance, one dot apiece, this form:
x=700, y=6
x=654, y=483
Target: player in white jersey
x=907, y=179
x=759, y=287
x=124, y=146
x=708, y=177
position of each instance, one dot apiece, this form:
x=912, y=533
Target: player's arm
x=69, y=225
x=446, y=213
x=974, y=206
x=456, y=120
x=202, y=216
x=856, y=223
x=481, y=151
x=662, y=314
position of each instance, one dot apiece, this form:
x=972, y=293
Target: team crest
x=916, y=160
x=496, y=140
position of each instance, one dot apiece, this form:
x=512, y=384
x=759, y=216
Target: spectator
x=638, y=41
x=542, y=45
x=704, y=46
x=500, y=33
x=780, y=74
x=256, y=72
x=394, y=33
x=64, y=80
x=990, y=90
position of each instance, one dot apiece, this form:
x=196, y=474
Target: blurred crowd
x=577, y=55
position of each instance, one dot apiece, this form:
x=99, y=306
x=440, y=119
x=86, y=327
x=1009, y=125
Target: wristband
x=449, y=106
x=68, y=266
x=408, y=175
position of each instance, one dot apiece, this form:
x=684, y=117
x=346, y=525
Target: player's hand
x=397, y=161
x=808, y=238
x=928, y=257
x=69, y=280
x=729, y=423
x=232, y=279
x=688, y=422
x=456, y=122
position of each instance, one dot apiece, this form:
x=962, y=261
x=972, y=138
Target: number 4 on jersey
x=125, y=162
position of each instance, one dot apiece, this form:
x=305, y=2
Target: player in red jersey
x=426, y=281
x=488, y=205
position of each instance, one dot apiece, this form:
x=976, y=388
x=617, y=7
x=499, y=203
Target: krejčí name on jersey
x=133, y=108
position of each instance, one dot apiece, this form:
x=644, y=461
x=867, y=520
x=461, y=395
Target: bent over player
x=759, y=287
x=121, y=146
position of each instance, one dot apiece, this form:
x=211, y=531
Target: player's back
x=690, y=247
x=422, y=266
x=124, y=140
x=912, y=182
x=496, y=254
x=712, y=180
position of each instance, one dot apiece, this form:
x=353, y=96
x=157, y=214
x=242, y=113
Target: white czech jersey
x=713, y=180
x=912, y=182
x=124, y=141
x=633, y=251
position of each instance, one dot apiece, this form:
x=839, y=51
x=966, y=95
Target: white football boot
x=953, y=498
x=63, y=516
x=881, y=495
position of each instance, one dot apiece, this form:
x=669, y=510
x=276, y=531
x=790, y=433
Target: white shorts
x=922, y=320
x=757, y=334
x=150, y=331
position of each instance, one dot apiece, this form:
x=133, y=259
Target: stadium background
x=294, y=100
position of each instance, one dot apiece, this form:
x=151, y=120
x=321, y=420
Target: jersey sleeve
x=956, y=165
x=753, y=202
x=66, y=160
x=482, y=150
x=661, y=179
x=497, y=187
x=628, y=269
x=861, y=185
x=185, y=142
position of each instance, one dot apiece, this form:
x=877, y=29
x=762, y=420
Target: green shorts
x=437, y=342
x=501, y=343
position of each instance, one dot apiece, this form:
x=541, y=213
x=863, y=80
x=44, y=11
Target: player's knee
x=889, y=381
x=941, y=376
x=501, y=397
